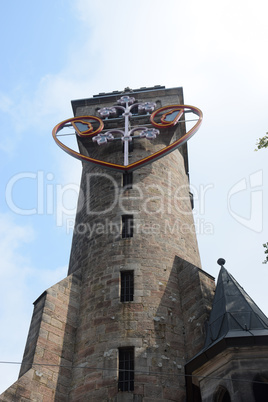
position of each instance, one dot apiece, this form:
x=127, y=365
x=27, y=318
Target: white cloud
x=146, y=45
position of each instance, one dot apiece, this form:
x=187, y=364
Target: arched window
x=221, y=395
x=260, y=388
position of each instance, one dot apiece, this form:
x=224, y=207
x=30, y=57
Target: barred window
x=127, y=180
x=127, y=286
x=130, y=146
x=126, y=369
x=127, y=226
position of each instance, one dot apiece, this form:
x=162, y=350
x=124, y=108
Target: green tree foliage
x=262, y=143
x=265, y=245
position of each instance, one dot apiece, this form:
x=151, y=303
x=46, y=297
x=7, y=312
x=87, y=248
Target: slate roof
x=235, y=320
x=234, y=313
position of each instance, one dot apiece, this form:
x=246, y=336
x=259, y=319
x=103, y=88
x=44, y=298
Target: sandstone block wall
x=46, y=370
x=164, y=323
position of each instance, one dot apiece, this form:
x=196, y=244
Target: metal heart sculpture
x=167, y=116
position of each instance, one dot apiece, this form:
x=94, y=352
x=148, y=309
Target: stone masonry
x=49, y=346
x=80, y=324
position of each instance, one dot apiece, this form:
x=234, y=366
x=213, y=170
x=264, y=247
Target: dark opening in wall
x=127, y=180
x=127, y=286
x=126, y=369
x=127, y=226
x=260, y=388
x=221, y=395
x=191, y=199
x=130, y=146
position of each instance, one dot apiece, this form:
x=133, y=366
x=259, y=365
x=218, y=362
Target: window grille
x=126, y=369
x=127, y=180
x=127, y=226
x=127, y=286
x=130, y=146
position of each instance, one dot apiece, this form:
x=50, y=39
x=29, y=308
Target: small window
x=130, y=146
x=127, y=286
x=127, y=180
x=134, y=110
x=191, y=199
x=126, y=369
x=127, y=226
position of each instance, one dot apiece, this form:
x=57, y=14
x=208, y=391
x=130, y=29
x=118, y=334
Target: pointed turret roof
x=233, y=313
x=235, y=320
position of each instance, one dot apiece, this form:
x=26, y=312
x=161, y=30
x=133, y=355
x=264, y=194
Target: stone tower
x=132, y=309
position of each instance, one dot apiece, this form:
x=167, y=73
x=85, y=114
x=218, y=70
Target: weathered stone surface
x=42, y=378
x=81, y=322
x=235, y=370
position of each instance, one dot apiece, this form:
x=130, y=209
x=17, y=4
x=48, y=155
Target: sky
x=57, y=51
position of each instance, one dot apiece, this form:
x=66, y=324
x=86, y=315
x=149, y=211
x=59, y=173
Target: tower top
x=143, y=92
x=130, y=90
x=125, y=117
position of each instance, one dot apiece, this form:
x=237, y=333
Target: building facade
x=233, y=364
